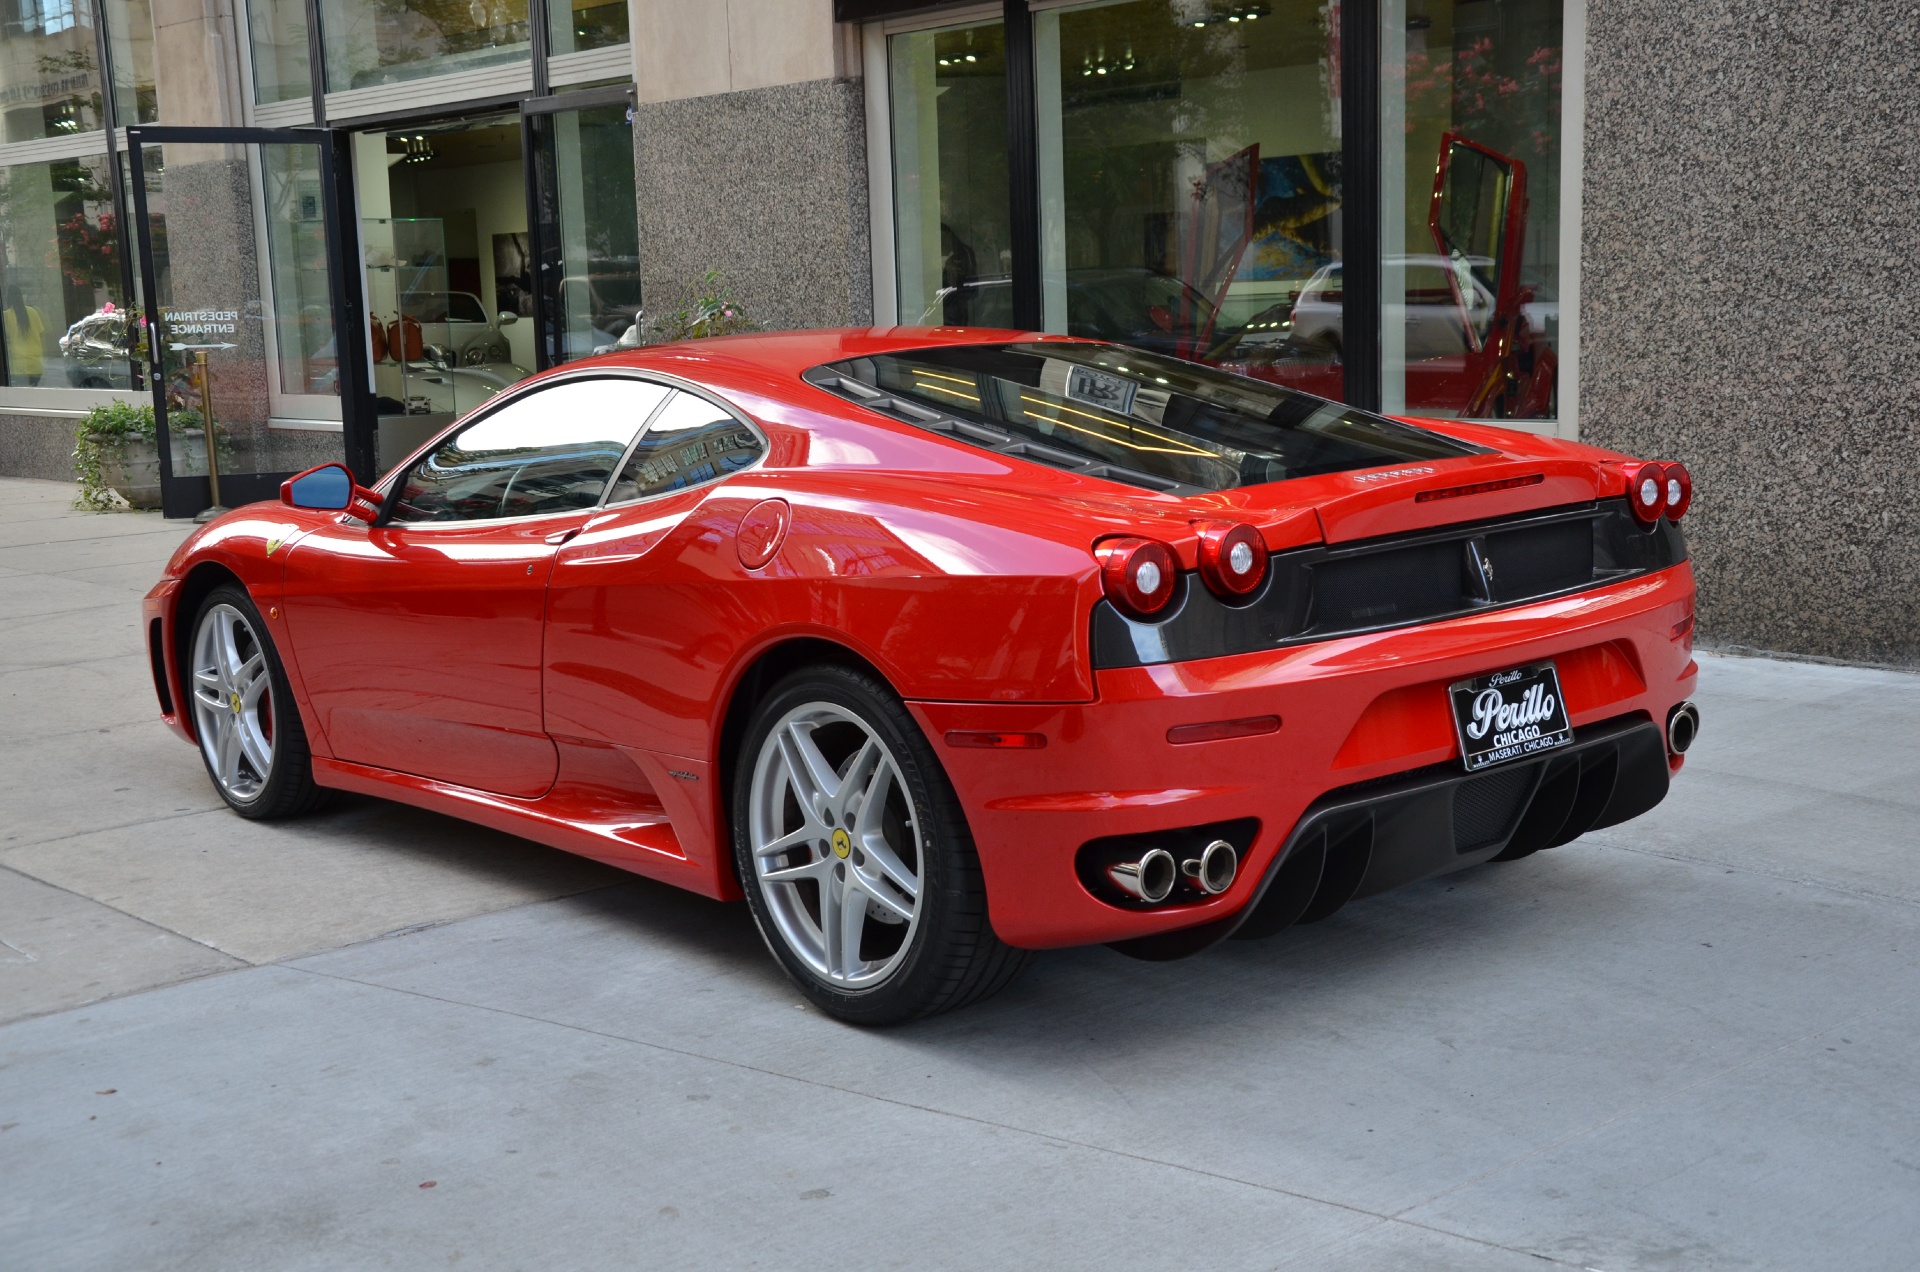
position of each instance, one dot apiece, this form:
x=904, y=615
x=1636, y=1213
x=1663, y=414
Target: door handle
x=559, y=537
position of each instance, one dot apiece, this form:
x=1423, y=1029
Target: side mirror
x=508, y=317
x=330, y=488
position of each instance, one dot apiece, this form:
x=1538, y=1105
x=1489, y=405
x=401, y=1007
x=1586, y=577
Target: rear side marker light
x=1480, y=488
x=1216, y=730
x=1138, y=575
x=1682, y=629
x=996, y=741
x=1233, y=558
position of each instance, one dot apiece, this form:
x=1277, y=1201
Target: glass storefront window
x=130, y=53
x=49, y=73
x=1189, y=160
x=64, y=309
x=952, y=241
x=277, y=30
x=381, y=41
x=574, y=26
x=1470, y=277
x=307, y=357
x=585, y=181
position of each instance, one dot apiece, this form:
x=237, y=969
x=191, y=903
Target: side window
x=551, y=450
x=691, y=441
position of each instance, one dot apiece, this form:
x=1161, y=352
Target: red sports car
x=940, y=646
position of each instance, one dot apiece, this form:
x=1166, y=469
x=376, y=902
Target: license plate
x=1509, y=715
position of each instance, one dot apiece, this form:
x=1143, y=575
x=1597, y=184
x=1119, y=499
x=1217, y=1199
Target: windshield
x=1137, y=416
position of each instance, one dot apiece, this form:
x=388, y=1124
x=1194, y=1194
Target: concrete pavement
x=380, y=1038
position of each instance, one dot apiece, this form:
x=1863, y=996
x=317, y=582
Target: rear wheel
x=855, y=857
x=243, y=714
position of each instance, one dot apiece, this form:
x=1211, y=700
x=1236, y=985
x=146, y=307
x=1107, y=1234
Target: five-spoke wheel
x=243, y=713
x=855, y=856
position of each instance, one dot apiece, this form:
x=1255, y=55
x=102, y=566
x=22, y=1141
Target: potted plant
x=116, y=457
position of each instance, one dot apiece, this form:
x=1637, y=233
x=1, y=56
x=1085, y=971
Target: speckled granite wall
x=1750, y=286
x=767, y=185
x=37, y=446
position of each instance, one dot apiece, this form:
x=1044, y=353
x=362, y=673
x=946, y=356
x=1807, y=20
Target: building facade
x=328, y=226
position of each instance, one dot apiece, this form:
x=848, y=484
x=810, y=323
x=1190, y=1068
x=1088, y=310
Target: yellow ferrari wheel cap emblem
x=842, y=843
x=233, y=702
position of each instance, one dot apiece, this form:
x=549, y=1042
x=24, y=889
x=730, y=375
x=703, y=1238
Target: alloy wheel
x=835, y=846
x=233, y=702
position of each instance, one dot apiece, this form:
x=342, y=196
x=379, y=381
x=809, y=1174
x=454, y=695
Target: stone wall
x=37, y=445
x=1751, y=212
x=768, y=186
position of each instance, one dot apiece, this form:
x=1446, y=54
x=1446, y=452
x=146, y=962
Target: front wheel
x=855, y=856
x=243, y=713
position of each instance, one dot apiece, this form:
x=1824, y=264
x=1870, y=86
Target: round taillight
x=1138, y=575
x=1679, y=491
x=1647, y=491
x=1233, y=558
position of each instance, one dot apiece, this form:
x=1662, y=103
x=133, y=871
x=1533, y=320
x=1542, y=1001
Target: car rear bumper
x=1363, y=719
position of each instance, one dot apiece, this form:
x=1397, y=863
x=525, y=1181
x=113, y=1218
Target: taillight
x=1647, y=491
x=1233, y=558
x=1679, y=491
x=1138, y=575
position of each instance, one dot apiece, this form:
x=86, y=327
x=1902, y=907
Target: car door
x=421, y=637
x=636, y=597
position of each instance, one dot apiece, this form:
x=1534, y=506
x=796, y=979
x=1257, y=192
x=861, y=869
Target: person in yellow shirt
x=26, y=339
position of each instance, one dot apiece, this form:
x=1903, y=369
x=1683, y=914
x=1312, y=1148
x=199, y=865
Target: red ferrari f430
x=941, y=646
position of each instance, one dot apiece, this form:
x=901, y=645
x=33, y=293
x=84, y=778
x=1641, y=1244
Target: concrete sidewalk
x=380, y=1038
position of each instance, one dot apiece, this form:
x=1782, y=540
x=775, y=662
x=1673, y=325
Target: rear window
x=1130, y=416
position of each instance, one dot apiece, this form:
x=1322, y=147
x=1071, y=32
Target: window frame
x=389, y=485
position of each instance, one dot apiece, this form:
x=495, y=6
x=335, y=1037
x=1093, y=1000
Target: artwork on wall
x=512, y=275
x=1292, y=218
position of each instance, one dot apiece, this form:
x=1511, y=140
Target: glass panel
x=1190, y=181
x=130, y=40
x=550, y=451
x=590, y=220
x=278, y=31
x=228, y=352
x=1470, y=320
x=67, y=317
x=308, y=361
x=380, y=41
x=449, y=275
x=691, y=441
x=951, y=239
x=49, y=80
x=1143, y=418
x=579, y=25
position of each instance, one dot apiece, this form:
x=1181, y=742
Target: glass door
x=242, y=248
x=584, y=222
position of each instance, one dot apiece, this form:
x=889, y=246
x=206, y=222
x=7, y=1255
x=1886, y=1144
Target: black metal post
x=539, y=44
x=150, y=306
x=1023, y=166
x=317, y=63
x=1360, y=199
x=359, y=421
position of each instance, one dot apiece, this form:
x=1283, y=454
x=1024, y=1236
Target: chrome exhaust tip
x=1213, y=871
x=1150, y=879
x=1683, y=726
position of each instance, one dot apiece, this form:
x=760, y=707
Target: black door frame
x=183, y=496
x=542, y=179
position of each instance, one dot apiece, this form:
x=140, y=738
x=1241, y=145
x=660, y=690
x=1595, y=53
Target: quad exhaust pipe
x=1683, y=726
x=1154, y=875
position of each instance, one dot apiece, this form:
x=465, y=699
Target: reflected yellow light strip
x=935, y=375
x=1178, y=447
x=941, y=388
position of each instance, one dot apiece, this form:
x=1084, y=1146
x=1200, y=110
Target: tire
x=806, y=846
x=243, y=712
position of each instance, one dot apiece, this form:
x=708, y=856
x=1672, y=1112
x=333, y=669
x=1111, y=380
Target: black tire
x=288, y=789
x=949, y=956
